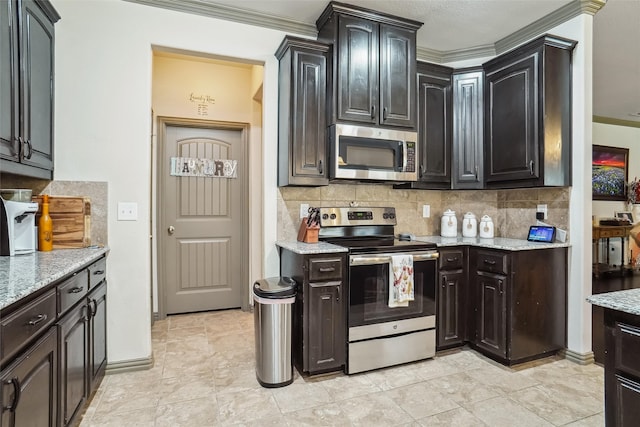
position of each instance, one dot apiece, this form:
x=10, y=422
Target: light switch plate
x=127, y=211
x=426, y=211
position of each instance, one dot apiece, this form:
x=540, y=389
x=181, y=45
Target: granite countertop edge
x=626, y=301
x=23, y=275
x=495, y=243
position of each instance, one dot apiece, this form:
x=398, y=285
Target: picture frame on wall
x=609, y=171
x=625, y=215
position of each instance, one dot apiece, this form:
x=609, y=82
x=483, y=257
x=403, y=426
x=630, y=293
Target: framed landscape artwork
x=609, y=167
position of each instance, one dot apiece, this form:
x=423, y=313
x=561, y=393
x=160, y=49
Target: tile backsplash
x=512, y=211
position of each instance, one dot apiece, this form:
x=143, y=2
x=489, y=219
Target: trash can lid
x=275, y=287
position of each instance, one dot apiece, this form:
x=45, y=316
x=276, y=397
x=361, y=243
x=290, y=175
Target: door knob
x=172, y=229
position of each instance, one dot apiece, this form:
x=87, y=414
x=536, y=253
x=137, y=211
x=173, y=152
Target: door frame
x=160, y=242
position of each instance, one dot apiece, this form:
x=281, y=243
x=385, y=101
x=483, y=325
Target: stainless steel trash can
x=273, y=302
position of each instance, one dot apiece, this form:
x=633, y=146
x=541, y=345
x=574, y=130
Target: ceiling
x=456, y=30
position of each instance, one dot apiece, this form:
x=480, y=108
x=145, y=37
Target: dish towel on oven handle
x=401, y=281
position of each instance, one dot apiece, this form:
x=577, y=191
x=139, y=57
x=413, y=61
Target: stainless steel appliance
x=372, y=154
x=380, y=335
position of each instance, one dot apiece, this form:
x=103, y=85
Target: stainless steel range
x=382, y=332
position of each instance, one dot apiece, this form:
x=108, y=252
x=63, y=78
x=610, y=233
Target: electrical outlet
x=127, y=211
x=426, y=211
x=304, y=210
x=543, y=209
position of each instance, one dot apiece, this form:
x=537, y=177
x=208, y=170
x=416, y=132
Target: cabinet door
x=627, y=396
x=73, y=363
x=468, y=114
x=9, y=148
x=326, y=326
x=451, y=309
x=434, y=130
x=36, y=86
x=357, y=78
x=511, y=109
x=491, y=317
x=397, y=76
x=97, y=335
x=29, y=386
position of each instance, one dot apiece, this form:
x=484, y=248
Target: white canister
x=449, y=224
x=486, y=227
x=469, y=225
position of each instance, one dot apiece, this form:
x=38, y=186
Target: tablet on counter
x=541, y=233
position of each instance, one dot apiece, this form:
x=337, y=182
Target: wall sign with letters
x=210, y=168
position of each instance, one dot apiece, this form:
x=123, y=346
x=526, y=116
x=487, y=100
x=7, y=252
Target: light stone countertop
x=23, y=275
x=627, y=301
x=310, y=248
x=503, y=243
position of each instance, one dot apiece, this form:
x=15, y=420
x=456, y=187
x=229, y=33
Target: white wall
x=623, y=137
x=103, y=131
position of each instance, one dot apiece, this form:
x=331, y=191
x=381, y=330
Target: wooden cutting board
x=71, y=217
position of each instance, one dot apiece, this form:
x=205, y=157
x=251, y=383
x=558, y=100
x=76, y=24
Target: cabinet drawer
x=19, y=327
x=325, y=268
x=72, y=290
x=628, y=348
x=493, y=262
x=604, y=234
x=451, y=259
x=97, y=272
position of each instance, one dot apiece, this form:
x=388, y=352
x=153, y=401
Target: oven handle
x=386, y=258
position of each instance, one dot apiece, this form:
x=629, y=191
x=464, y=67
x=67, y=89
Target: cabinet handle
x=531, y=166
x=421, y=171
x=320, y=168
x=500, y=286
x=38, y=319
x=452, y=259
x=327, y=269
x=384, y=114
x=373, y=111
x=476, y=173
x=93, y=309
x=444, y=281
x=75, y=290
x=489, y=262
x=15, y=382
x=98, y=272
x=338, y=293
x=28, y=144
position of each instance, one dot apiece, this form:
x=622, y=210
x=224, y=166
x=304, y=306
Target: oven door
x=369, y=288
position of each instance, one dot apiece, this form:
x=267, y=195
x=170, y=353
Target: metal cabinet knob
x=172, y=229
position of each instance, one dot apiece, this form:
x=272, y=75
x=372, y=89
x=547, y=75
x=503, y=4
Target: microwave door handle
x=402, y=145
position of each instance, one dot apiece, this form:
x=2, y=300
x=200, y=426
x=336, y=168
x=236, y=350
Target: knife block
x=307, y=234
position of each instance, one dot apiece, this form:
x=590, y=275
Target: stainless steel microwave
x=372, y=154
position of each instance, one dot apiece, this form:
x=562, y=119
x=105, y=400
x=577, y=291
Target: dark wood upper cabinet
x=528, y=115
x=26, y=87
x=374, y=66
x=467, y=170
x=302, y=126
x=434, y=109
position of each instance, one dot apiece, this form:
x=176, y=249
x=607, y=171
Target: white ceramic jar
x=486, y=227
x=469, y=225
x=449, y=224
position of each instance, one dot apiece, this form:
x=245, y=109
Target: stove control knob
x=385, y=215
x=333, y=216
x=325, y=216
x=392, y=215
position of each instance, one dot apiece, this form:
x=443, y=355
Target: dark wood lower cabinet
x=73, y=363
x=29, y=385
x=520, y=302
x=97, y=307
x=451, y=294
x=319, y=313
x=622, y=368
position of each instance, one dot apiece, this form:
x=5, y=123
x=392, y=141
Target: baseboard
x=579, y=358
x=129, y=365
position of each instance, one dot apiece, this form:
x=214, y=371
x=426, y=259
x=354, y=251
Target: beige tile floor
x=204, y=376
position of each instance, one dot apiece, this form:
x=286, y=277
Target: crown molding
x=616, y=122
x=544, y=24
x=234, y=14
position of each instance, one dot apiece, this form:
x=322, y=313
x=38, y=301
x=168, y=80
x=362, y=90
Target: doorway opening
x=203, y=228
